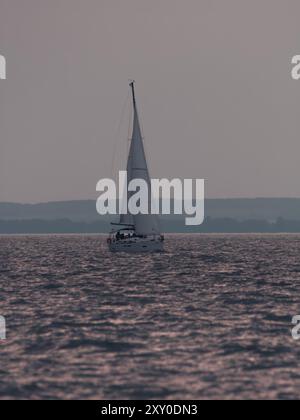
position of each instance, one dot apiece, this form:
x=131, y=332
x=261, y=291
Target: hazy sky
x=213, y=83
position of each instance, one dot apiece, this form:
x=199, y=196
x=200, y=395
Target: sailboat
x=141, y=232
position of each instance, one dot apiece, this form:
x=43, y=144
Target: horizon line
x=91, y=199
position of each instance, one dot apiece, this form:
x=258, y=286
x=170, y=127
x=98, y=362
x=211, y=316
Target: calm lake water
x=209, y=318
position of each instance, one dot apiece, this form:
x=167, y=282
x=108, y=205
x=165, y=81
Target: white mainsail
x=137, y=168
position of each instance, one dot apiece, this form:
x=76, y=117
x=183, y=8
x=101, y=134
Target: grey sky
x=213, y=83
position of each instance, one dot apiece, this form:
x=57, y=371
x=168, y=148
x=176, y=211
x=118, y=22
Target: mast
x=132, y=83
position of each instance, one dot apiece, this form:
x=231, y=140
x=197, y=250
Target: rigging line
x=116, y=137
x=130, y=128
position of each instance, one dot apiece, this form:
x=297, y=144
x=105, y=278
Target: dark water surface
x=210, y=318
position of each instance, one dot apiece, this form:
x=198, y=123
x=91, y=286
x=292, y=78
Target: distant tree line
x=225, y=225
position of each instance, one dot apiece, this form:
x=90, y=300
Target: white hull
x=138, y=245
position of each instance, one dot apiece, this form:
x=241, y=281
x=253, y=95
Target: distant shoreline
x=260, y=215
x=225, y=225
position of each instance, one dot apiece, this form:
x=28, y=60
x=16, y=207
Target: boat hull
x=137, y=246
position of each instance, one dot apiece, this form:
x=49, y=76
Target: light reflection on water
x=210, y=318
